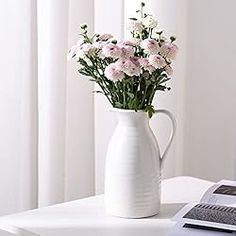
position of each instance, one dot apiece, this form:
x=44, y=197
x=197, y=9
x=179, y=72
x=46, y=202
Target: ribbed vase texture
x=132, y=178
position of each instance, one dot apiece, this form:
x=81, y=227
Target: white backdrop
x=54, y=133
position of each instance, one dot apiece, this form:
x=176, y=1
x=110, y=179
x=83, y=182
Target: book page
x=179, y=215
x=208, y=215
x=221, y=193
x=216, y=210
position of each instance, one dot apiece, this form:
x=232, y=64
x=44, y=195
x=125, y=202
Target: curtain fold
x=66, y=132
x=18, y=106
x=79, y=163
x=52, y=47
x=46, y=138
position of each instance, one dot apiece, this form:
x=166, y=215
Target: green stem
x=149, y=102
x=124, y=95
x=144, y=96
x=141, y=10
x=100, y=83
x=150, y=33
x=136, y=93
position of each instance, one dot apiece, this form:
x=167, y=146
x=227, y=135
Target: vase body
x=133, y=168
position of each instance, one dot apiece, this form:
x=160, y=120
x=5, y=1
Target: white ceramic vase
x=133, y=166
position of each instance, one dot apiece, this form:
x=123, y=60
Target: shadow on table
x=168, y=210
x=110, y=231
x=11, y=230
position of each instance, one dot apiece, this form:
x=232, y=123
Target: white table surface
x=86, y=217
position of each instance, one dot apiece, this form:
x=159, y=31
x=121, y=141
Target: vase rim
x=114, y=109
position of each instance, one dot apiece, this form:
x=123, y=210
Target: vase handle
x=173, y=130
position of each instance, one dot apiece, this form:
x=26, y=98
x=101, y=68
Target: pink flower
x=126, y=48
x=135, y=60
x=120, y=64
x=146, y=65
x=156, y=61
x=126, y=52
x=112, y=73
x=144, y=62
x=111, y=50
x=150, y=46
x=130, y=42
x=132, y=70
x=169, y=50
x=129, y=66
x=105, y=37
x=169, y=70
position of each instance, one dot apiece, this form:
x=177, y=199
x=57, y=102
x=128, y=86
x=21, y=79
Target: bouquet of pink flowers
x=128, y=72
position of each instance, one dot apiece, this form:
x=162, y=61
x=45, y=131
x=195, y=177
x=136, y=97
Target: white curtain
x=47, y=121
x=54, y=134
x=18, y=106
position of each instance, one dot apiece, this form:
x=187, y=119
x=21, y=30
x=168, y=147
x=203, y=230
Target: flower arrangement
x=128, y=72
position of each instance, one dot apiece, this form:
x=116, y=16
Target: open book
x=216, y=211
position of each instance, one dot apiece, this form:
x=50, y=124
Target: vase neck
x=132, y=118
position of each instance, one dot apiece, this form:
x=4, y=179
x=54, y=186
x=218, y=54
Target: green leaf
x=150, y=110
x=162, y=88
x=148, y=82
x=97, y=91
x=118, y=105
x=172, y=38
x=131, y=95
x=82, y=72
x=164, y=80
x=82, y=62
x=130, y=104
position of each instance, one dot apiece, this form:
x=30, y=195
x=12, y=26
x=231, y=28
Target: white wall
x=210, y=134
